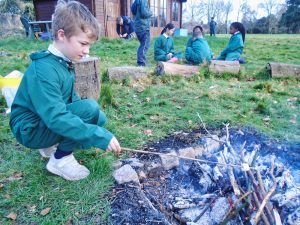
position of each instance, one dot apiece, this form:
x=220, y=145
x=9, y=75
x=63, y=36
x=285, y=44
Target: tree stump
x=120, y=73
x=219, y=67
x=87, y=77
x=283, y=69
x=176, y=69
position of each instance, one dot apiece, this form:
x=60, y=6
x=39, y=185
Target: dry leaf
x=45, y=211
x=148, y=99
x=148, y=132
x=293, y=120
x=1, y=185
x=15, y=176
x=129, y=116
x=12, y=216
x=190, y=122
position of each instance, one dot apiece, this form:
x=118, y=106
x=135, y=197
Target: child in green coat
x=197, y=49
x=47, y=110
x=164, y=45
x=235, y=46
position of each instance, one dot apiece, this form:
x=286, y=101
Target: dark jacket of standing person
x=212, y=27
x=142, y=18
x=142, y=15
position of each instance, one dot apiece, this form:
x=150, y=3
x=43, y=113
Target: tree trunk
x=119, y=73
x=176, y=69
x=87, y=78
x=219, y=67
x=283, y=69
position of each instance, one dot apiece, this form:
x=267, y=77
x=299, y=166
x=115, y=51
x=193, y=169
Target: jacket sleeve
x=144, y=9
x=172, y=50
x=159, y=53
x=235, y=43
x=51, y=108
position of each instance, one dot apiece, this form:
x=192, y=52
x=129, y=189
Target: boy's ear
x=61, y=34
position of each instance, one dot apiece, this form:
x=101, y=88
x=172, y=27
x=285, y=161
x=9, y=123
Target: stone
x=142, y=176
x=199, y=150
x=154, y=169
x=187, y=152
x=126, y=174
x=169, y=161
x=212, y=145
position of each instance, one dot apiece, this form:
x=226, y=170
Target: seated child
x=164, y=45
x=47, y=110
x=235, y=46
x=197, y=49
x=125, y=27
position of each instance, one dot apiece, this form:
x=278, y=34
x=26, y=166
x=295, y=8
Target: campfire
x=231, y=177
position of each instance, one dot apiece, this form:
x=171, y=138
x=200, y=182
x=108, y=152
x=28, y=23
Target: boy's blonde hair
x=73, y=17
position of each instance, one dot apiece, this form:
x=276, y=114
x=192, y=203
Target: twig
x=231, y=212
x=232, y=179
x=263, y=215
x=207, y=131
x=267, y=197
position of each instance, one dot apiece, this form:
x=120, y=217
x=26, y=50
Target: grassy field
x=160, y=105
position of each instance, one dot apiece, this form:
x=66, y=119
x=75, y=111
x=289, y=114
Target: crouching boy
x=47, y=111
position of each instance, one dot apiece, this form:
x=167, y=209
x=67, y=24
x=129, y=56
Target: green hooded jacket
x=143, y=15
x=45, y=90
x=197, y=51
x=162, y=47
x=234, y=48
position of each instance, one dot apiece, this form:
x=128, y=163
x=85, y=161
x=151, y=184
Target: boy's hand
x=114, y=146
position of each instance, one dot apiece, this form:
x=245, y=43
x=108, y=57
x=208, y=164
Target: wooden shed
x=106, y=11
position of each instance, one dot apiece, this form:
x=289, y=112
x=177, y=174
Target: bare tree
x=240, y=7
x=249, y=17
x=269, y=6
x=228, y=7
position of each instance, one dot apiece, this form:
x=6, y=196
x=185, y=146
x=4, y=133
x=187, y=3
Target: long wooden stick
x=183, y=157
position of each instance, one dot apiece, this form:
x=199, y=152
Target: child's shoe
x=67, y=167
x=47, y=152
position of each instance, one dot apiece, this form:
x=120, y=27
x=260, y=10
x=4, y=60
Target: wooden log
x=219, y=67
x=87, y=78
x=176, y=69
x=283, y=69
x=119, y=73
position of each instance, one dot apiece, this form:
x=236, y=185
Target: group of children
x=47, y=114
x=197, y=49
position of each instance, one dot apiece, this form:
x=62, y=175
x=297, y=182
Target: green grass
x=161, y=104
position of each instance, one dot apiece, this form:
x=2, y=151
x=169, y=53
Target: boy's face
x=76, y=46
